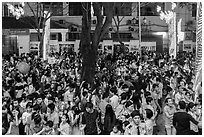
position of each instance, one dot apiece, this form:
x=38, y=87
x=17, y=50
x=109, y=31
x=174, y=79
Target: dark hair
x=49, y=123
x=84, y=93
x=36, y=107
x=124, y=86
x=126, y=123
x=113, y=90
x=182, y=105
x=105, y=95
x=149, y=113
x=166, y=100
x=158, y=79
x=128, y=103
x=190, y=83
x=154, y=86
x=147, y=94
x=89, y=105
x=123, y=96
x=51, y=98
x=109, y=111
x=135, y=113
x=37, y=119
x=51, y=106
x=29, y=104
x=67, y=117
x=149, y=99
x=190, y=106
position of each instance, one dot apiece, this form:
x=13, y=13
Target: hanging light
x=134, y=21
x=144, y=20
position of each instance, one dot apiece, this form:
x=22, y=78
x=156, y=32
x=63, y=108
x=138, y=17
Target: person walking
x=90, y=120
x=181, y=120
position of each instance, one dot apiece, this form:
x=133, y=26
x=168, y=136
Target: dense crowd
x=128, y=96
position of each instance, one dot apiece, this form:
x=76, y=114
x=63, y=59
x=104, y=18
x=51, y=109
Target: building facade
x=66, y=22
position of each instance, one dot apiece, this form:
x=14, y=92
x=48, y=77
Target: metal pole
x=140, y=49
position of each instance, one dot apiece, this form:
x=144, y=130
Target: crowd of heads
x=128, y=90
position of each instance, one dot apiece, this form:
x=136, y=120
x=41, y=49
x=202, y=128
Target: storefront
x=15, y=41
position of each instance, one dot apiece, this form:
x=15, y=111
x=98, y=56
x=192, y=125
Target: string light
x=16, y=11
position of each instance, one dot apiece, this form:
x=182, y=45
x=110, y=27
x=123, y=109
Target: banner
x=199, y=38
x=172, y=35
x=198, y=62
x=46, y=39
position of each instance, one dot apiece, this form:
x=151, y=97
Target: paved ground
x=161, y=126
x=160, y=122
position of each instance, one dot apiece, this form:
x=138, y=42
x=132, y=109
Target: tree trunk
x=88, y=50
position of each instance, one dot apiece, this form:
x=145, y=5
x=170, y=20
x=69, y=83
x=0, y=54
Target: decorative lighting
x=144, y=20
x=16, y=11
x=173, y=6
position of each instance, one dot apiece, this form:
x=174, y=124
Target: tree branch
x=108, y=21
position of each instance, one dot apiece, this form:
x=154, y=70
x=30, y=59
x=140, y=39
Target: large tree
x=38, y=14
x=88, y=45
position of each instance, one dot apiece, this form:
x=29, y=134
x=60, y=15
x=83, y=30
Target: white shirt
x=149, y=126
x=25, y=116
x=114, y=101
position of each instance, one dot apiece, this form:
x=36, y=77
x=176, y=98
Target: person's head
x=59, y=87
x=182, y=105
x=182, y=83
x=113, y=91
x=65, y=118
x=85, y=94
x=89, y=107
x=158, y=80
x=37, y=119
x=49, y=125
x=40, y=99
x=129, y=105
x=16, y=102
x=191, y=107
x=4, y=109
x=123, y=97
x=125, y=87
x=109, y=109
x=105, y=96
x=149, y=100
x=155, y=87
x=136, y=117
x=180, y=89
x=116, y=128
x=190, y=85
x=36, y=108
x=125, y=124
x=51, y=99
x=29, y=107
x=169, y=101
x=26, y=87
x=188, y=95
x=51, y=108
x=148, y=113
x=147, y=94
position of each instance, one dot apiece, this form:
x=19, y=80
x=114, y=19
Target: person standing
x=192, y=111
x=181, y=120
x=169, y=110
x=89, y=120
x=109, y=120
x=135, y=127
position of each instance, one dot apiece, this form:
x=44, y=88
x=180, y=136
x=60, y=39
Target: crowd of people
x=128, y=96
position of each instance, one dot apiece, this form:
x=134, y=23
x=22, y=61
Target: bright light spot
x=16, y=11
x=22, y=4
x=161, y=33
x=173, y=6
x=158, y=8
